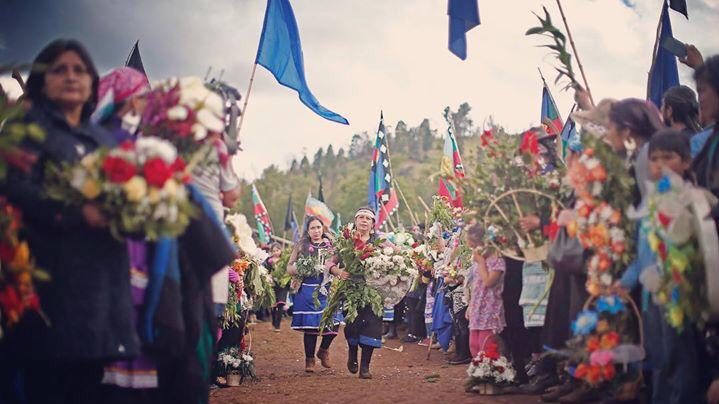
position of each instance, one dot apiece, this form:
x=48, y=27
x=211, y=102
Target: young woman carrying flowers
x=306, y=264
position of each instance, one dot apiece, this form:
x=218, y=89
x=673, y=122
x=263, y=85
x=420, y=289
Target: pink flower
x=601, y=357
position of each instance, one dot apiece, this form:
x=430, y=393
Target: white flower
x=151, y=146
x=78, y=178
x=199, y=132
x=387, y=251
x=210, y=121
x=177, y=113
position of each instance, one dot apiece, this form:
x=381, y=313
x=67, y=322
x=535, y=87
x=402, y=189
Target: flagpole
x=411, y=213
x=389, y=219
x=576, y=55
x=550, y=96
x=247, y=98
x=654, y=51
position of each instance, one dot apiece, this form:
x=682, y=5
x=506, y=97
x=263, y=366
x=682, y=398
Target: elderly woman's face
x=363, y=222
x=67, y=81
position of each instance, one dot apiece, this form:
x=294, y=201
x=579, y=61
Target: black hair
x=671, y=140
x=641, y=117
x=709, y=72
x=305, y=240
x=685, y=108
x=47, y=56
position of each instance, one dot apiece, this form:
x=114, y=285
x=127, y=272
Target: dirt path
x=398, y=377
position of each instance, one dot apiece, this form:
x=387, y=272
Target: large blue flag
x=463, y=16
x=381, y=196
x=280, y=51
x=664, y=74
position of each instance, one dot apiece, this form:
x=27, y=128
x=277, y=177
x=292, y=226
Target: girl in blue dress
x=306, y=315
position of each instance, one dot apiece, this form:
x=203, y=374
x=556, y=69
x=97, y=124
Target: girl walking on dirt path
x=306, y=314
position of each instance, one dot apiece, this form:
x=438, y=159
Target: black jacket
x=87, y=299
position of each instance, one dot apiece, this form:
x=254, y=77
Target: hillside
x=415, y=155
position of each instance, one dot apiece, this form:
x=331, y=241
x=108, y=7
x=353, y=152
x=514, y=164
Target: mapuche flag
x=381, y=195
x=451, y=168
x=315, y=207
x=551, y=121
x=264, y=226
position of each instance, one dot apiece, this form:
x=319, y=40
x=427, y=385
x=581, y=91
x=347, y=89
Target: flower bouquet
x=391, y=273
x=513, y=180
x=237, y=365
x=604, y=194
x=17, y=271
x=605, y=338
x=279, y=271
x=185, y=112
x=489, y=370
x=676, y=210
x=139, y=186
x=13, y=131
x=353, y=294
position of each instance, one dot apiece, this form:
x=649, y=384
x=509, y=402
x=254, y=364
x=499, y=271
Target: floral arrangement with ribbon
x=679, y=285
x=139, y=186
x=188, y=114
x=603, y=188
x=514, y=178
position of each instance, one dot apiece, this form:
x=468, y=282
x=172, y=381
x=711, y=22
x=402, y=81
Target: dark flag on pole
x=320, y=193
x=134, y=60
x=664, y=73
x=680, y=6
x=288, y=215
x=463, y=16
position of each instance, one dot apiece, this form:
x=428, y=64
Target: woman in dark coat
x=87, y=300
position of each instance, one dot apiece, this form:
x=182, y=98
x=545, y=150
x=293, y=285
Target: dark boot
x=538, y=384
x=364, y=366
x=309, y=365
x=324, y=357
x=352, y=359
x=391, y=331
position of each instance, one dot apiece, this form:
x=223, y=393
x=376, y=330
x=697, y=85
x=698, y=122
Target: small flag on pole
x=664, y=73
x=463, y=16
x=551, y=121
x=381, y=195
x=135, y=60
x=280, y=51
x=264, y=226
x=288, y=215
x=451, y=167
x=320, y=192
x=679, y=6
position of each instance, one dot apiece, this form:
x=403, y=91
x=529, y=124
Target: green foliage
x=279, y=271
x=559, y=47
x=13, y=131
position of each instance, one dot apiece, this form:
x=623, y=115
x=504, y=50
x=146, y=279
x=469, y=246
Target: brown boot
x=310, y=365
x=324, y=357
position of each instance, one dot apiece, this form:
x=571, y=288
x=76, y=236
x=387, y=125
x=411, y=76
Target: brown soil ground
x=399, y=377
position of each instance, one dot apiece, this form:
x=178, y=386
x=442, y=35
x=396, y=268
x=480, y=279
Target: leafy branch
x=559, y=47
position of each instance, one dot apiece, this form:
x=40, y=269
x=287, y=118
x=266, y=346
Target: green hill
x=415, y=156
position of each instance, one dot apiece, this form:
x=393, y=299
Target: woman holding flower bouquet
x=306, y=265
x=88, y=299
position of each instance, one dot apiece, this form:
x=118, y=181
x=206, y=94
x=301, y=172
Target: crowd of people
x=137, y=320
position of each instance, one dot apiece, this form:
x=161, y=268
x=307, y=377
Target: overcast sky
x=363, y=56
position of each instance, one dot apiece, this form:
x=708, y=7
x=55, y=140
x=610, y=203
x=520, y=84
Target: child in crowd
x=672, y=355
x=486, y=280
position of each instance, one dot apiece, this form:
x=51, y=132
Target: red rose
x=127, y=145
x=178, y=165
x=530, y=143
x=157, y=172
x=118, y=169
